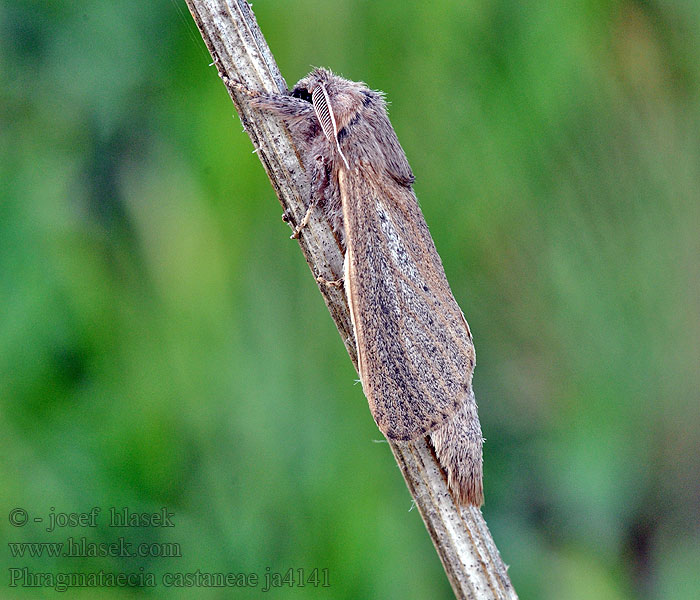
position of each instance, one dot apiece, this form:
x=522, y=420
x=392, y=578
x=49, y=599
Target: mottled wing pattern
x=415, y=352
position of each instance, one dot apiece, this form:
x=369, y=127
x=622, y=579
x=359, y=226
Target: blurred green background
x=162, y=343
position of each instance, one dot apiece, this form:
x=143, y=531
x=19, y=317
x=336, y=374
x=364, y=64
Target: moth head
x=335, y=100
x=345, y=98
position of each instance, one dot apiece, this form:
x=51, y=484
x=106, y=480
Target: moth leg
x=294, y=111
x=280, y=104
x=336, y=283
x=290, y=109
x=304, y=222
x=319, y=184
x=238, y=88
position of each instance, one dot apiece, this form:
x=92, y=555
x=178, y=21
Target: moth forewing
x=412, y=346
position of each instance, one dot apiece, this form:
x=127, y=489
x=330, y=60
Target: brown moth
x=414, y=347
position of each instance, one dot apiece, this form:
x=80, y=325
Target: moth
x=414, y=347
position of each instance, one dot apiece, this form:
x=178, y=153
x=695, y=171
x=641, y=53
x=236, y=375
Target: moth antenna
x=324, y=113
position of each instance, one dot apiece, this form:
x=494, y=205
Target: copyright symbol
x=18, y=517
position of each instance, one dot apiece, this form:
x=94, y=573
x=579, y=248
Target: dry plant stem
x=470, y=557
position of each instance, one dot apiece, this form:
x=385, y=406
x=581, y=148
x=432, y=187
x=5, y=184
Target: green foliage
x=163, y=344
